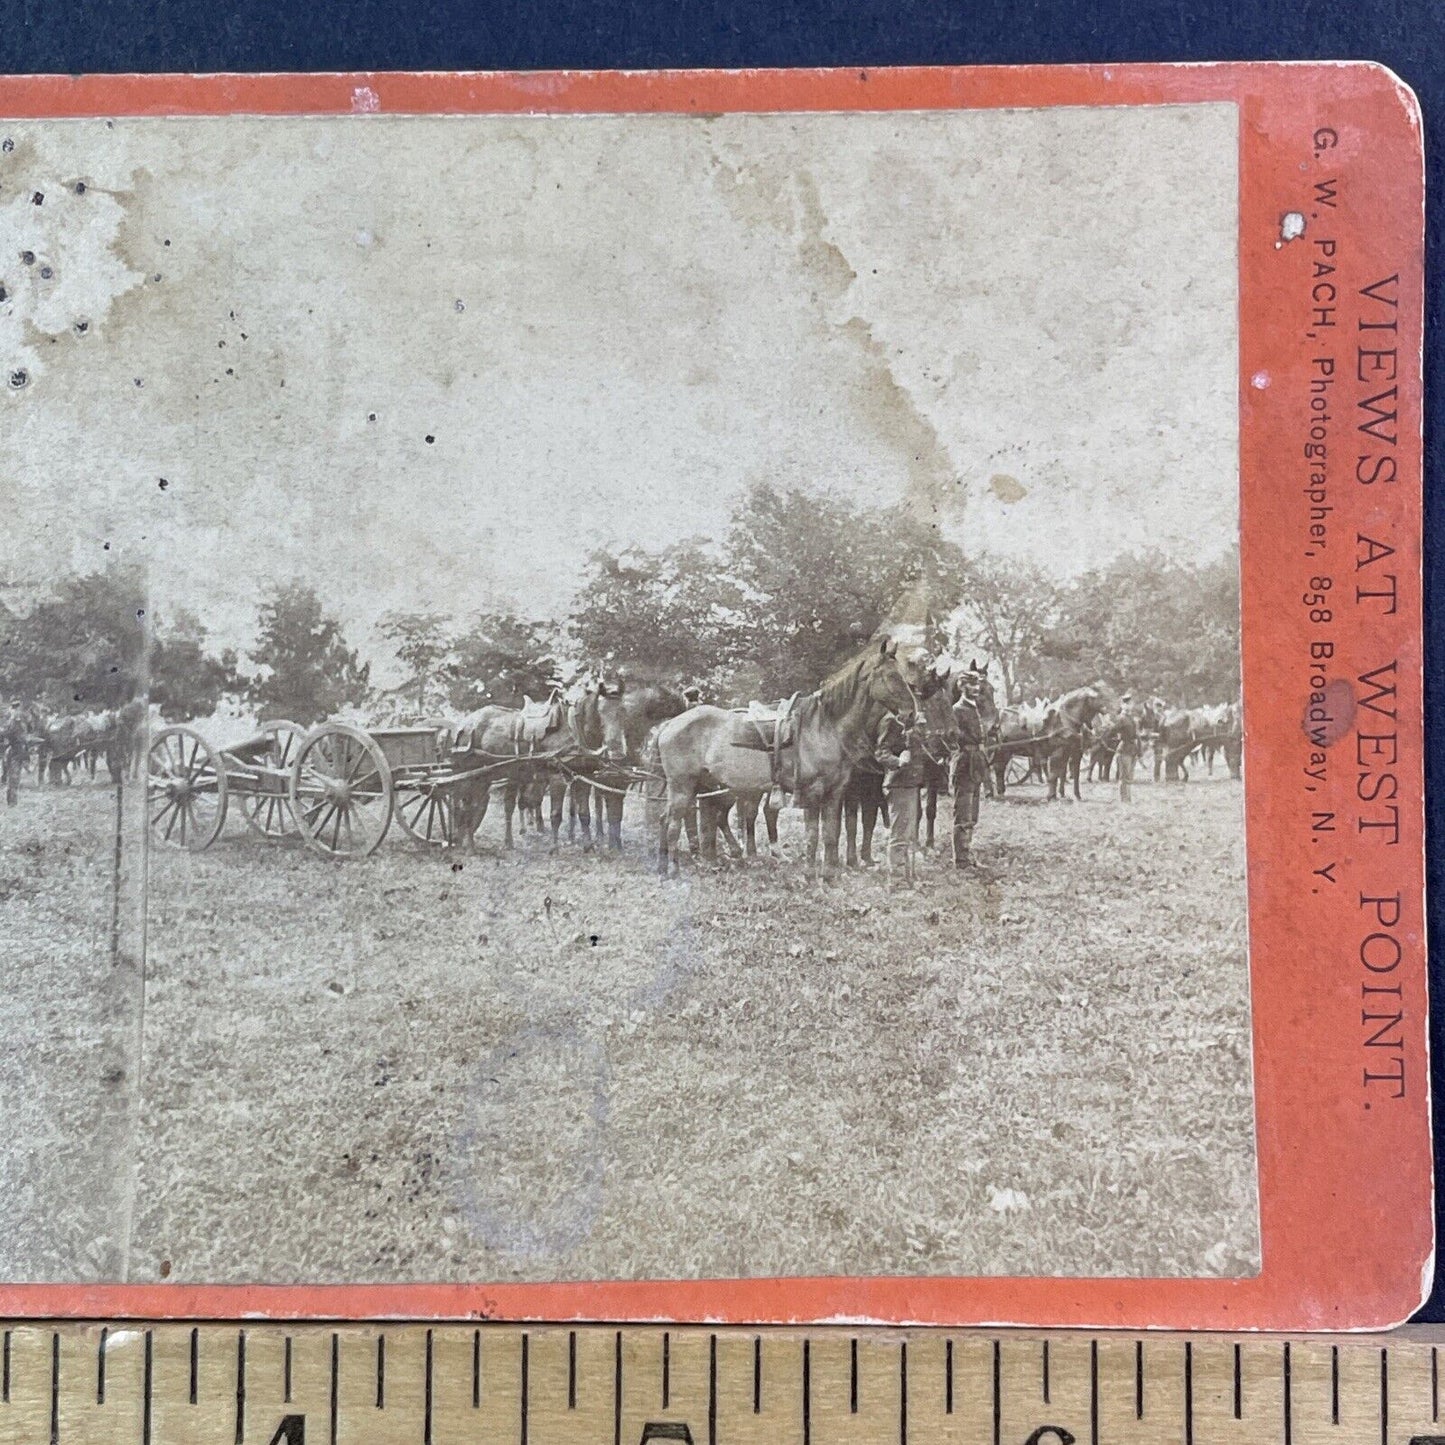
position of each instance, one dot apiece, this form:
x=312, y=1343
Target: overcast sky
x=432, y=363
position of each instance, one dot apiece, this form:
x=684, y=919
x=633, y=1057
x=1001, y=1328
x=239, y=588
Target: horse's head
x=625, y=715
x=939, y=723
x=882, y=678
x=1101, y=700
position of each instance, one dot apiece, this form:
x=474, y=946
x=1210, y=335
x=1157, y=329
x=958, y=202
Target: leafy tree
x=1007, y=611
x=186, y=682
x=1150, y=623
x=82, y=649
x=305, y=672
x=422, y=643
x=499, y=658
x=673, y=613
x=817, y=576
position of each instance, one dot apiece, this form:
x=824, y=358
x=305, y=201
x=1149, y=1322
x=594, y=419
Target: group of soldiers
x=902, y=753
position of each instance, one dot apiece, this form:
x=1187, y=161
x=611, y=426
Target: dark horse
x=939, y=728
x=865, y=805
x=510, y=748
x=1066, y=726
x=824, y=735
x=612, y=721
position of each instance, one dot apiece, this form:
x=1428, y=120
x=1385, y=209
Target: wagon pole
x=636, y=775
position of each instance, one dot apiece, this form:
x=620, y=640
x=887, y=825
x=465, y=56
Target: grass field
x=525, y=1066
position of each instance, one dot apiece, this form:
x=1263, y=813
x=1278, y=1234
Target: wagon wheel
x=185, y=790
x=341, y=791
x=1017, y=770
x=425, y=813
x=269, y=814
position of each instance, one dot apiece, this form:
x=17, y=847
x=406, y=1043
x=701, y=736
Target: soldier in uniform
x=1126, y=747
x=899, y=755
x=13, y=740
x=970, y=773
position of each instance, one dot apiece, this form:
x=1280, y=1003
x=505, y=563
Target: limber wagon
x=340, y=787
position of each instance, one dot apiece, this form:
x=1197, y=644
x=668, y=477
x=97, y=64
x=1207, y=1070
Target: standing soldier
x=13, y=740
x=970, y=770
x=1126, y=751
x=897, y=753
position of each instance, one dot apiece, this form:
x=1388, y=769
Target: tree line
x=797, y=583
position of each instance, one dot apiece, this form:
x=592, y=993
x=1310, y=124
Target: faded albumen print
x=631, y=696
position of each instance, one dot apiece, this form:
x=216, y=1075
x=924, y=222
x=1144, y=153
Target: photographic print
x=625, y=697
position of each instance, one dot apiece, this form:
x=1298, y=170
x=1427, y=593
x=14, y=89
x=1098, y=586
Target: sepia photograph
x=646, y=696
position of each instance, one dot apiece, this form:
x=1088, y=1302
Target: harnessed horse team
x=699, y=765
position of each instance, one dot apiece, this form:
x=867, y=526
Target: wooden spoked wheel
x=425, y=813
x=341, y=791
x=1017, y=770
x=268, y=811
x=185, y=790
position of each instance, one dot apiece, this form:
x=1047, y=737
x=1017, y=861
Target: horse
x=1232, y=728
x=611, y=721
x=62, y=747
x=936, y=696
x=535, y=735
x=811, y=750
x=1016, y=734
x=1067, y=722
x=865, y=805
x=1174, y=740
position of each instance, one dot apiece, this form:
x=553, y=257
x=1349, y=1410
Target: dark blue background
x=208, y=35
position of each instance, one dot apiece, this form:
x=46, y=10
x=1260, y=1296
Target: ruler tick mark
x=1385, y=1396
x=196, y=1363
x=902, y=1393
x=757, y=1374
x=853, y=1378
x=5, y=1382
x=476, y=1369
x=666, y=1368
x=1238, y=1386
x=1334, y=1384
x=948, y=1377
x=100, y=1368
x=1046, y=1372
x=426, y=1407
x=1188, y=1393
x=997, y=1402
x=1093, y=1392
x=572, y=1371
x=285, y=1373
x=240, y=1386
x=335, y=1381
x=381, y=1372
x=807, y=1394
x=1138, y=1379
x=1288, y=1400
x=55, y=1387
x=617, y=1387
x=523, y=1425
x=712, y=1390
x=1434, y=1384
x=146, y=1387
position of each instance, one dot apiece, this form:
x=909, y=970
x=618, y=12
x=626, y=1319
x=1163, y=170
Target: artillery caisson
x=338, y=786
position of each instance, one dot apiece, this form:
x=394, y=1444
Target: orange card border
x=1344, y=1170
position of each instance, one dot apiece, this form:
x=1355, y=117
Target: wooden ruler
x=594, y=1385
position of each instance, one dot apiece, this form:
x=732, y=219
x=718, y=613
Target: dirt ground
x=522, y=1066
